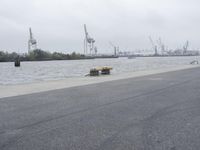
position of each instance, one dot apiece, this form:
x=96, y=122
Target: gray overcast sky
x=58, y=24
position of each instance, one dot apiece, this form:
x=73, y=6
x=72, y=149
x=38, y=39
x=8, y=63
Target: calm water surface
x=54, y=70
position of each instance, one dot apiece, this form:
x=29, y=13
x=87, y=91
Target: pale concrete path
x=156, y=112
x=16, y=90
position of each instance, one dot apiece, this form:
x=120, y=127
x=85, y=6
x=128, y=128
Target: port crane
x=161, y=46
x=155, y=48
x=116, y=48
x=185, y=47
x=32, y=43
x=89, y=42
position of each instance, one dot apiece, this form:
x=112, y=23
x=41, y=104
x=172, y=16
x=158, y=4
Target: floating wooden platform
x=97, y=70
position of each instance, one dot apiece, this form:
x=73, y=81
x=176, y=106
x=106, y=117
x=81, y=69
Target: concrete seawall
x=23, y=89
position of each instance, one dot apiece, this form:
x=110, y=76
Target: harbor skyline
x=99, y=74
x=58, y=26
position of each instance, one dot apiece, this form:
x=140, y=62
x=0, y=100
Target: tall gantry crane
x=32, y=43
x=89, y=42
x=161, y=45
x=155, y=47
x=185, y=47
x=116, y=48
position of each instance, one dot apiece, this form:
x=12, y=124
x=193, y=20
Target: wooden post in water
x=17, y=61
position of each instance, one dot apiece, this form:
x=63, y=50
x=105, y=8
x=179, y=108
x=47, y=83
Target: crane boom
x=160, y=42
x=88, y=41
x=31, y=35
x=116, y=49
x=86, y=33
x=154, y=46
x=32, y=43
x=186, y=45
x=112, y=44
x=151, y=41
x=161, y=45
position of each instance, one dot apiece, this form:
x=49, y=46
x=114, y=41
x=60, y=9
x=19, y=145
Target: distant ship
x=105, y=56
x=131, y=57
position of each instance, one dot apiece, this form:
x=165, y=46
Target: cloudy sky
x=58, y=24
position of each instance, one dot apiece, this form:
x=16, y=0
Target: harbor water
x=37, y=71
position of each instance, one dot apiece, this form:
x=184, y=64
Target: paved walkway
x=23, y=89
x=155, y=112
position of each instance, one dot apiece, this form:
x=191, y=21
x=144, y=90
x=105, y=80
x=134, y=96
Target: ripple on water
x=54, y=70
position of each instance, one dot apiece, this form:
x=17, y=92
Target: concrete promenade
x=152, y=112
x=22, y=89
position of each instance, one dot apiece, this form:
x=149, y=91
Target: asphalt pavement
x=156, y=112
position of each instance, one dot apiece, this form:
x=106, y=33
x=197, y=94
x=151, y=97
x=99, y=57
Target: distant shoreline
x=40, y=55
x=103, y=57
x=46, y=60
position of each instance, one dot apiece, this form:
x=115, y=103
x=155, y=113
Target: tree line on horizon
x=39, y=55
